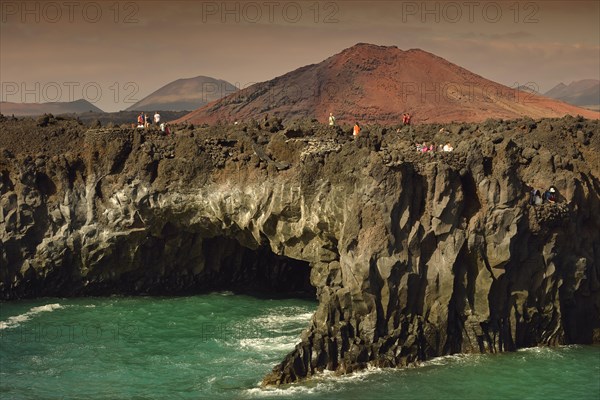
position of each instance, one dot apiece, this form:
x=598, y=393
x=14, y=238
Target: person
x=156, y=118
x=356, y=130
x=404, y=119
x=532, y=197
x=408, y=119
x=448, y=147
x=331, y=119
x=536, y=197
x=550, y=195
x=140, y=120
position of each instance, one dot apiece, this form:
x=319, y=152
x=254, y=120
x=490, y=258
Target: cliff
x=411, y=255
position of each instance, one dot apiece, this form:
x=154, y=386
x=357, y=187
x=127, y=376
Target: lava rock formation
x=411, y=255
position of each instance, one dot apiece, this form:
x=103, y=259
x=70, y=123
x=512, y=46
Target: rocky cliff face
x=411, y=255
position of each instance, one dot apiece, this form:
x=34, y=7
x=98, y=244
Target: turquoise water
x=219, y=346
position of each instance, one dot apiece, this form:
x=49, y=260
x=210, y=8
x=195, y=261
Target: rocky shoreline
x=411, y=255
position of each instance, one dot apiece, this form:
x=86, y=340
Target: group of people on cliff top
x=406, y=119
x=356, y=130
x=432, y=148
x=537, y=198
x=144, y=122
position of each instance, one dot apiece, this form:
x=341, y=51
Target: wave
x=547, y=349
x=278, y=319
x=291, y=391
x=459, y=358
x=223, y=293
x=277, y=331
x=13, y=322
x=268, y=344
x=543, y=352
x=323, y=382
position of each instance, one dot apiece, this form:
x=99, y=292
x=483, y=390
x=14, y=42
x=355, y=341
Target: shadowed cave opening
x=259, y=272
x=184, y=263
x=176, y=263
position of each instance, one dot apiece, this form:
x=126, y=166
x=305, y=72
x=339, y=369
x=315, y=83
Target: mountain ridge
x=55, y=108
x=377, y=84
x=185, y=94
x=584, y=92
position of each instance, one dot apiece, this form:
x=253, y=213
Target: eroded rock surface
x=412, y=255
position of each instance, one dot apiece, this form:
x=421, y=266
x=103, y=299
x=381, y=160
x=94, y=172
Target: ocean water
x=220, y=345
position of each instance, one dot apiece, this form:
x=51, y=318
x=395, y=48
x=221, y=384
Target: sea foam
x=322, y=382
x=13, y=322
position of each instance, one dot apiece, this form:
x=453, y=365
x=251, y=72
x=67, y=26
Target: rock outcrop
x=411, y=255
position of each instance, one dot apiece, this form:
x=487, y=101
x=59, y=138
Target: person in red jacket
x=141, y=120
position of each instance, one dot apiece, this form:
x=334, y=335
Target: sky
x=114, y=53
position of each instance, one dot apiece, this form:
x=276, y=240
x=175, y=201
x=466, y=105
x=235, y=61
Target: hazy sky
x=115, y=53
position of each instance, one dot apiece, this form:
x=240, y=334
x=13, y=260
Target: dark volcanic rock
x=411, y=255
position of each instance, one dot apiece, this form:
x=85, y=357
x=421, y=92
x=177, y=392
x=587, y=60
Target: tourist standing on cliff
x=156, y=118
x=550, y=195
x=536, y=197
x=331, y=119
x=356, y=130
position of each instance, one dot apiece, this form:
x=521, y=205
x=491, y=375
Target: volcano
x=185, y=94
x=55, y=108
x=377, y=84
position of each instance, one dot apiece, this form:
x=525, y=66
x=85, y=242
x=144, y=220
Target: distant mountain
x=55, y=108
x=185, y=95
x=528, y=89
x=377, y=84
x=585, y=92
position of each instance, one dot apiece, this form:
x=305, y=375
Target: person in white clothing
x=156, y=118
x=448, y=147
